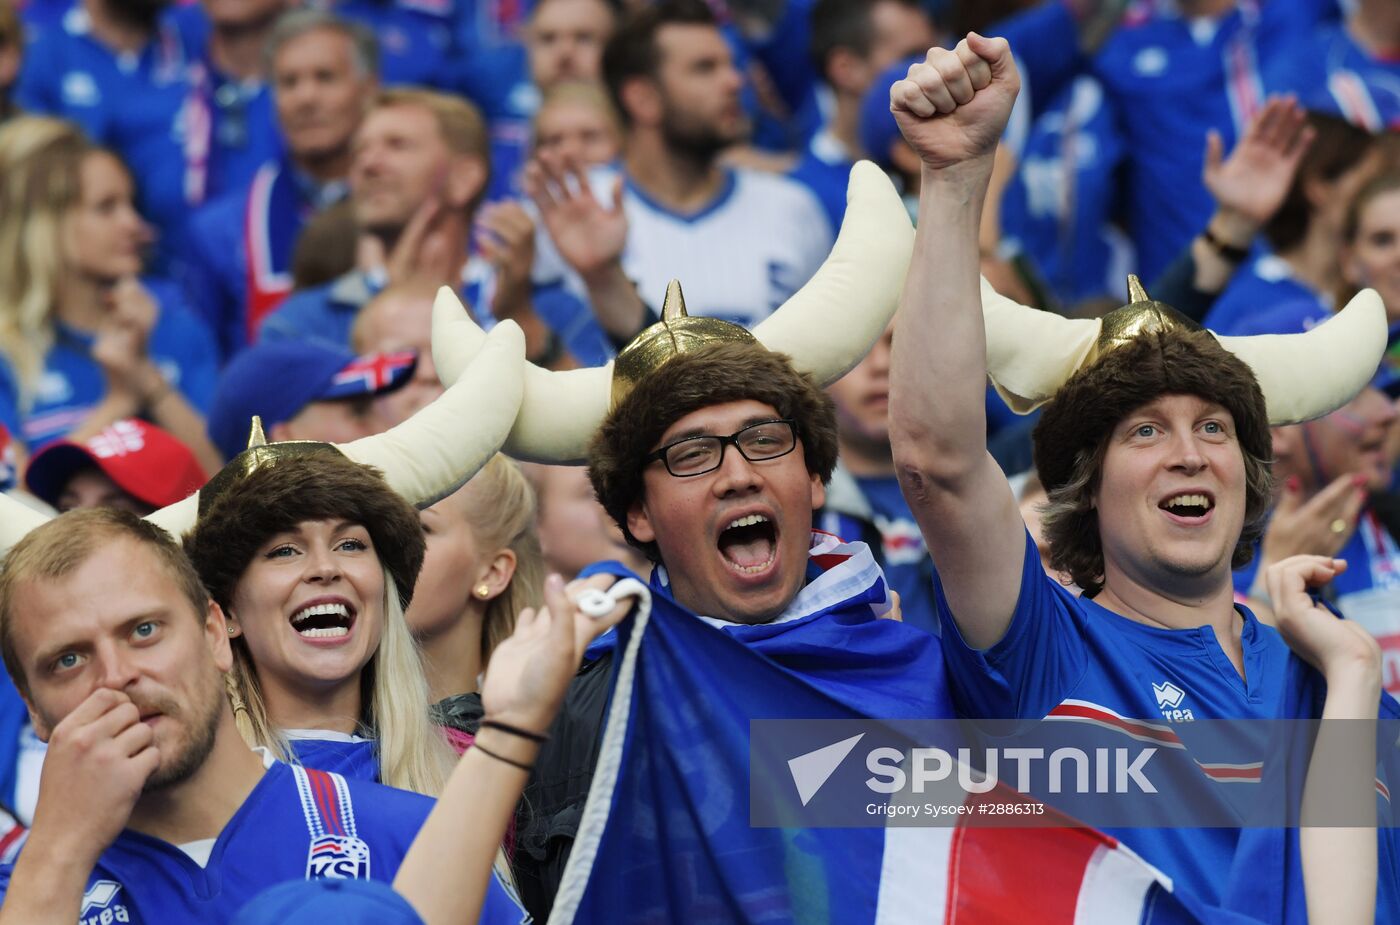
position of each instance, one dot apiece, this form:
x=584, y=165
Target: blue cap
x=275, y=381
x=878, y=130
x=317, y=902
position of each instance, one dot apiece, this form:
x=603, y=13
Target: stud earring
x=482, y=590
x=232, y=629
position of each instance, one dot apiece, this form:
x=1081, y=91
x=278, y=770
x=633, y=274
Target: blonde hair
x=501, y=515
x=40, y=182
x=585, y=92
x=458, y=122
x=413, y=754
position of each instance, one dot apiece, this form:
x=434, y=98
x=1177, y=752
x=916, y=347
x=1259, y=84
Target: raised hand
x=1337, y=648
x=530, y=671
x=122, y=339
x=1319, y=526
x=507, y=240
x=427, y=251
x=953, y=106
x=1253, y=181
x=589, y=235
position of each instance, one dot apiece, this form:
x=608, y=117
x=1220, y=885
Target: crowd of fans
x=229, y=209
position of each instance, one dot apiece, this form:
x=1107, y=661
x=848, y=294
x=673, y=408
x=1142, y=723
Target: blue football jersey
x=1329, y=71
x=1261, y=287
x=297, y=824
x=1176, y=78
x=72, y=382
x=1068, y=658
x=352, y=756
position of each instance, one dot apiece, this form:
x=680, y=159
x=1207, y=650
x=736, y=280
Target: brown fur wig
x=688, y=382
x=1072, y=435
x=279, y=495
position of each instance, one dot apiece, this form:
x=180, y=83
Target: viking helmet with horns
x=826, y=328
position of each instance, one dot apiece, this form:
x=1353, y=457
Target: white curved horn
x=826, y=327
x=830, y=324
x=559, y=410
x=1304, y=376
x=1031, y=353
x=16, y=520
x=177, y=519
x=433, y=453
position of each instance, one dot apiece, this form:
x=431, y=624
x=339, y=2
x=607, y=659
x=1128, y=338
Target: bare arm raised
x=952, y=108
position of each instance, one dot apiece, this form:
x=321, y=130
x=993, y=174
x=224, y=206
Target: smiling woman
x=314, y=559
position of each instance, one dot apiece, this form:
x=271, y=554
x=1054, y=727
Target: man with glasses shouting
x=712, y=458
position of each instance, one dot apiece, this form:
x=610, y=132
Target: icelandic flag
x=665, y=835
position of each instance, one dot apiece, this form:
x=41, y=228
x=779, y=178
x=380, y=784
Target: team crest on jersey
x=337, y=852
x=337, y=857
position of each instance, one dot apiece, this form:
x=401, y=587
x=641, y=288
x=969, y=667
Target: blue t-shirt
x=1329, y=71
x=325, y=314
x=417, y=38
x=825, y=169
x=69, y=74
x=1174, y=79
x=295, y=825
x=354, y=757
x=1254, y=292
x=72, y=382
x=237, y=251
x=1368, y=592
x=903, y=557
x=1066, y=656
x=1057, y=209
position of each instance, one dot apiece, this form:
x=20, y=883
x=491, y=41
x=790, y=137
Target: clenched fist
x=954, y=105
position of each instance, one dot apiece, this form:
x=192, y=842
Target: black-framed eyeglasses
x=756, y=442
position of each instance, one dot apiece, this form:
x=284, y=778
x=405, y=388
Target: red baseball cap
x=144, y=461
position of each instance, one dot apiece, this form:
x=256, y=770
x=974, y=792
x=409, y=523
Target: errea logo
x=100, y=906
x=1169, y=698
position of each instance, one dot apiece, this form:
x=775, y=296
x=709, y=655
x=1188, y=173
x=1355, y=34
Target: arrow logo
x=813, y=769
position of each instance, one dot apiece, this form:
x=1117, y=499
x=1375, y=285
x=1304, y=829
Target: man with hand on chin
x=151, y=806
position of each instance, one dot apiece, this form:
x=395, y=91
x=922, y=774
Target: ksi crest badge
x=337, y=857
x=337, y=852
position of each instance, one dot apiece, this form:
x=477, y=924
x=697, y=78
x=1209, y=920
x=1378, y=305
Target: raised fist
x=954, y=105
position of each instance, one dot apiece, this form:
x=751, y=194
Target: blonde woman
x=483, y=566
x=84, y=341
x=314, y=560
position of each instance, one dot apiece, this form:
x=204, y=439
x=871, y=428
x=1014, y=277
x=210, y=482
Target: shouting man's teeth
x=749, y=544
x=323, y=621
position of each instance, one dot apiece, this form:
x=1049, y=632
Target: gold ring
x=1339, y=525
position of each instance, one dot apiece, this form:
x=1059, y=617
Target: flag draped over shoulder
x=666, y=837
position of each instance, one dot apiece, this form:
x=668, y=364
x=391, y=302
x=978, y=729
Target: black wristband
x=1227, y=252
x=510, y=761
x=514, y=730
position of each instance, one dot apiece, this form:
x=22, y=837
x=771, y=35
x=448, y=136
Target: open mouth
x=1188, y=505
x=329, y=620
x=749, y=544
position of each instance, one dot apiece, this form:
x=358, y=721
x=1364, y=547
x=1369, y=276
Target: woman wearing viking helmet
x=313, y=554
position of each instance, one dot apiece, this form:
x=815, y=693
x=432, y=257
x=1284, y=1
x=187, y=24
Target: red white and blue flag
x=666, y=834
x=371, y=374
